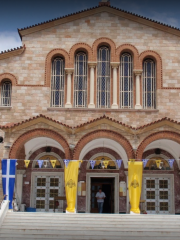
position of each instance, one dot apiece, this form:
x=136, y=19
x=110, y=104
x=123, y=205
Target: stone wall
x=31, y=95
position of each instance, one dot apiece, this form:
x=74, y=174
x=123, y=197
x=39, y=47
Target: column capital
x=69, y=70
x=115, y=64
x=137, y=71
x=92, y=64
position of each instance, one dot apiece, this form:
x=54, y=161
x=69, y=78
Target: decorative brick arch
x=131, y=49
x=103, y=134
x=54, y=53
x=10, y=77
x=156, y=136
x=80, y=47
x=156, y=57
x=104, y=41
x=20, y=141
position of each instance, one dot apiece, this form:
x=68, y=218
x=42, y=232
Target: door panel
x=157, y=195
x=46, y=188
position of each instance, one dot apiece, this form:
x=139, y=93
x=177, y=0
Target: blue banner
x=8, y=179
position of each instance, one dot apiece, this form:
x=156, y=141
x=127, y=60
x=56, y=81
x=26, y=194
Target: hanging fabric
x=171, y=162
x=158, y=162
x=53, y=163
x=119, y=162
x=8, y=179
x=145, y=162
x=26, y=163
x=135, y=171
x=71, y=182
x=66, y=162
x=92, y=162
x=40, y=163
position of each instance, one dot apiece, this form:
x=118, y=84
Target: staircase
x=89, y=226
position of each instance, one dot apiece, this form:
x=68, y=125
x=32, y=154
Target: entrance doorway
x=107, y=186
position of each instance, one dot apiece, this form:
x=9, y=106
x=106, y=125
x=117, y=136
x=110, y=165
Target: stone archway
x=16, y=148
x=164, y=135
x=117, y=138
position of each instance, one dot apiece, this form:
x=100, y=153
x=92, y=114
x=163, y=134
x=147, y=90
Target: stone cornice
x=92, y=64
x=137, y=71
x=12, y=53
x=115, y=64
x=69, y=70
x=96, y=10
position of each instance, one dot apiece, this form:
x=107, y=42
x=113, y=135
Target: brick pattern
x=16, y=148
x=155, y=136
x=103, y=134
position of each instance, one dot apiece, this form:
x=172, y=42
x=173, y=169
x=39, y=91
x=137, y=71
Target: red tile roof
x=89, y=9
x=11, y=125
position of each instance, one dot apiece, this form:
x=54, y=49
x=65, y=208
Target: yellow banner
x=158, y=162
x=71, y=182
x=26, y=163
x=106, y=162
x=53, y=162
x=135, y=171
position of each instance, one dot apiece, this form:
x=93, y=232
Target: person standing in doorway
x=100, y=200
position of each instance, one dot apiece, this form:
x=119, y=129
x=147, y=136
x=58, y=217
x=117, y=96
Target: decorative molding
x=115, y=64
x=89, y=12
x=69, y=70
x=12, y=53
x=137, y=71
x=92, y=64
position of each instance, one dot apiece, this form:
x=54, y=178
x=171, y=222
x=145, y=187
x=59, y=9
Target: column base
x=138, y=106
x=91, y=105
x=114, y=106
x=68, y=105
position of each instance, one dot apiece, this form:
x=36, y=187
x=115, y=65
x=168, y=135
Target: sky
x=16, y=14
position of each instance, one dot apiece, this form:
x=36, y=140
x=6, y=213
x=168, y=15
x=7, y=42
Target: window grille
x=149, y=84
x=57, y=82
x=6, y=93
x=103, y=78
x=80, y=80
x=126, y=81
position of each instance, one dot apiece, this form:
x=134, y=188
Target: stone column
x=92, y=66
x=19, y=185
x=138, y=74
x=69, y=72
x=115, y=77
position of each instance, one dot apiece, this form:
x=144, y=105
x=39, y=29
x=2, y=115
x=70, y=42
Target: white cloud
x=9, y=40
x=165, y=18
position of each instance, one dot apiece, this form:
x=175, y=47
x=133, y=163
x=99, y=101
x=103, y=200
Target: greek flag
x=8, y=178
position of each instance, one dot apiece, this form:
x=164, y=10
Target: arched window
x=57, y=82
x=6, y=93
x=103, y=78
x=149, y=84
x=126, y=81
x=80, y=80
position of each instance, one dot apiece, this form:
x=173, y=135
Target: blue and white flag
x=66, y=162
x=171, y=161
x=8, y=178
x=40, y=163
x=119, y=162
x=92, y=162
x=145, y=162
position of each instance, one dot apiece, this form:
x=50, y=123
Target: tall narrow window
x=57, y=82
x=80, y=80
x=126, y=81
x=6, y=93
x=149, y=84
x=103, y=78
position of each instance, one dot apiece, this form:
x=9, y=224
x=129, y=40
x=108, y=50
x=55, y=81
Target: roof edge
x=12, y=52
x=90, y=11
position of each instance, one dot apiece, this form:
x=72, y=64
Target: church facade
x=102, y=84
